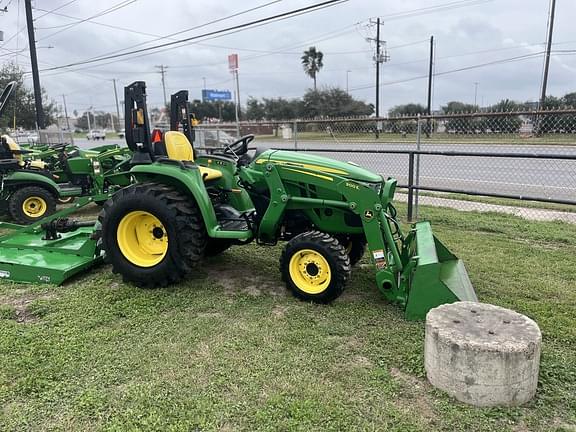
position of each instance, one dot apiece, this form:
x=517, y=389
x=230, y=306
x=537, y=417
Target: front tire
x=315, y=267
x=152, y=234
x=30, y=204
x=67, y=200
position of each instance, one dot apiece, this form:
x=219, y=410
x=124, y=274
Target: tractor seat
x=176, y=146
x=15, y=150
x=33, y=164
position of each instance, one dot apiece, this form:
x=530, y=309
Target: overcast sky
x=467, y=33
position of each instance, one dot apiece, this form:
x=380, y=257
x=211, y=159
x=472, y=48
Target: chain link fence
x=521, y=163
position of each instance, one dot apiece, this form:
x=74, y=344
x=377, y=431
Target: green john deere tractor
x=30, y=188
x=182, y=207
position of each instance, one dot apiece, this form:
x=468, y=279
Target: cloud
x=499, y=28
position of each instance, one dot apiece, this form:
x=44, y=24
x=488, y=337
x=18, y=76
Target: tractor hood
x=322, y=164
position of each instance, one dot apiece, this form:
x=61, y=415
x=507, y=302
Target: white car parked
x=96, y=134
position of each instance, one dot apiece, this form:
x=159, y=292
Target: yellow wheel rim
x=34, y=207
x=142, y=239
x=310, y=271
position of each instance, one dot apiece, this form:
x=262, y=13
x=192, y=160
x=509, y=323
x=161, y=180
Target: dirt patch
x=209, y=315
x=279, y=312
x=549, y=246
x=346, y=343
x=414, y=399
x=359, y=361
x=237, y=280
x=21, y=305
x=351, y=297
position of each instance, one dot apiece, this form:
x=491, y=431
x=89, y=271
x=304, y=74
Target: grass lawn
x=230, y=349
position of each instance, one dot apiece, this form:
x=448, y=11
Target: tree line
x=21, y=109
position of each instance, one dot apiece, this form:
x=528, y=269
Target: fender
x=187, y=180
x=28, y=177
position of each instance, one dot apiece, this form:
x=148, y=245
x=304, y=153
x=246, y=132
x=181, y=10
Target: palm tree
x=312, y=63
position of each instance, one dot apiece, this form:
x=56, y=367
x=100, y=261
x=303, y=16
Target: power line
x=114, y=8
x=461, y=69
x=238, y=27
x=410, y=13
x=55, y=9
x=115, y=27
x=209, y=23
x=433, y=9
x=245, y=59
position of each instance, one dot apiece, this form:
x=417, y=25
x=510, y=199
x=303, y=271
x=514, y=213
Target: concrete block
x=482, y=354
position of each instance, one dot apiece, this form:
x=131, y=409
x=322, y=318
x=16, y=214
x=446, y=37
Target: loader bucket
x=26, y=257
x=439, y=276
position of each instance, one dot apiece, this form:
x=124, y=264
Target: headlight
x=96, y=167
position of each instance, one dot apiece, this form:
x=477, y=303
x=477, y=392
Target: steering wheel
x=6, y=93
x=59, y=147
x=239, y=147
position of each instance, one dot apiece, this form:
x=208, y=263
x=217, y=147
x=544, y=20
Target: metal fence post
x=295, y=134
x=410, y=185
x=417, y=169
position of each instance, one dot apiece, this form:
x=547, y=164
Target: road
x=542, y=178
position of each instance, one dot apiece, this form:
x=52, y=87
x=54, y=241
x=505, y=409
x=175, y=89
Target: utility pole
x=379, y=58
x=34, y=64
x=233, y=67
x=66, y=113
x=163, y=74
x=430, y=69
x=475, y=93
x=237, y=96
x=347, y=89
x=548, y=48
x=117, y=106
x=429, y=100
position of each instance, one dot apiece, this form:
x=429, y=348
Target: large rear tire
x=30, y=204
x=152, y=234
x=315, y=267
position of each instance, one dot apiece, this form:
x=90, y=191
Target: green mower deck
x=25, y=257
x=50, y=251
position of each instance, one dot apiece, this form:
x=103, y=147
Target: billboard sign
x=233, y=62
x=216, y=95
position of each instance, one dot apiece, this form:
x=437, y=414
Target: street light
x=347, y=72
